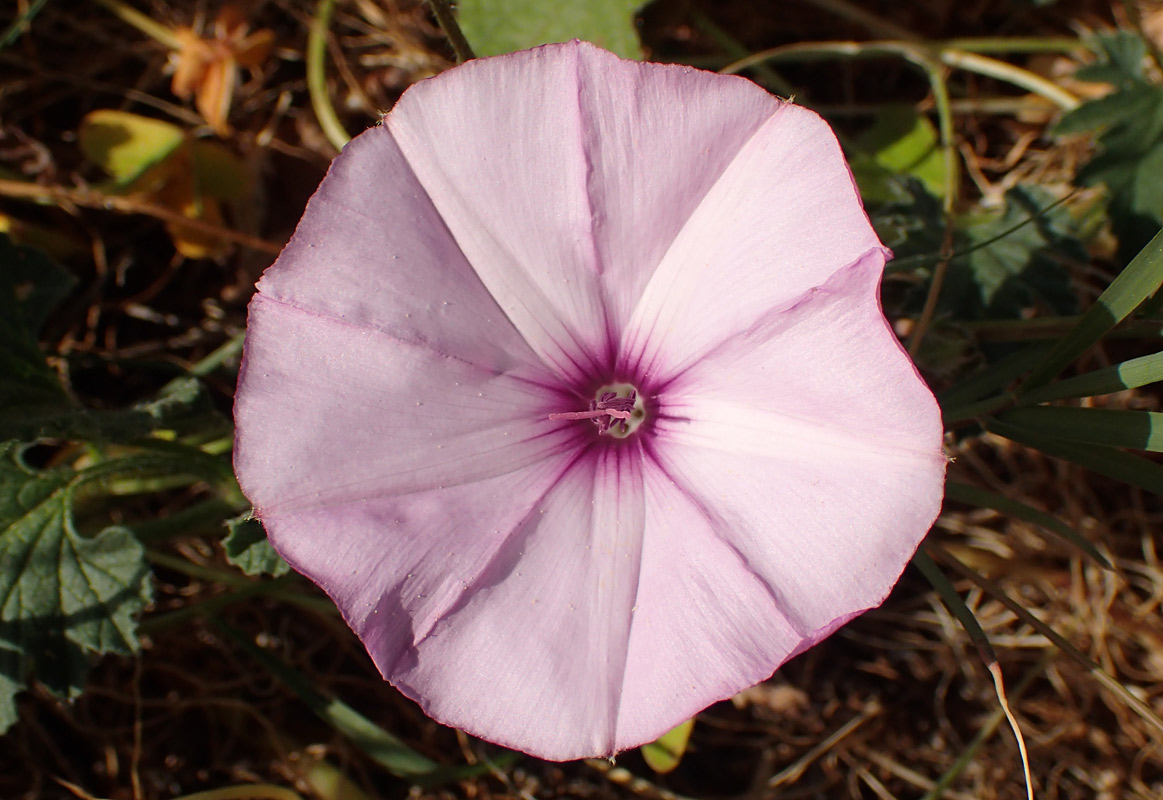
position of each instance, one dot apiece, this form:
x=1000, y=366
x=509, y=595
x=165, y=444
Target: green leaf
x=1129, y=124
x=1117, y=464
x=664, y=754
x=63, y=595
x=912, y=226
x=127, y=145
x=900, y=142
x=1014, y=260
x=1128, y=375
x=1108, y=427
x=494, y=27
x=181, y=405
x=31, y=284
x=983, y=498
x=1138, y=281
x=248, y=548
x=1121, y=55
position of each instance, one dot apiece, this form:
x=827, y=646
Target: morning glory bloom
x=573, y=390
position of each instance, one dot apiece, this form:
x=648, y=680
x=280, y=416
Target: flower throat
x=617, y=409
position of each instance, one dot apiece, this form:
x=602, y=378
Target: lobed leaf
x=494, y=27
x=1014, y=260
x=1129, y=124
x=63, y=595
x=248, y=548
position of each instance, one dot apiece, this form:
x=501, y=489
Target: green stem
x=21, y=23
x=251, y=791
x=143, y=23
x=204, y=516
x=221, y=355
x=316, y=79
x=771, y=79
x=193, y=461
x=1030, y=81
x=918, y=54
x=1016, y=44
x=447, y=22
x=286, y=588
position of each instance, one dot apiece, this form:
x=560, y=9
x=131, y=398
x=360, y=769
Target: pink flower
x=573, y=390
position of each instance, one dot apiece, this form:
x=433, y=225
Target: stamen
x=616, y=410
x=597, y=412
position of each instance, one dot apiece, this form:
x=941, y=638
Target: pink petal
x=534, y=657
x=329, y=412
x=377, y=558
x=705, y=625
x=782, y=218
x=372, y=250
x=560, y=181
x=636, y=117
x=813, y=450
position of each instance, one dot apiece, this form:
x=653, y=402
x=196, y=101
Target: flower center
x=617, y=410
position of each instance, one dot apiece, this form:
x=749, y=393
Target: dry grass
x=883, y=709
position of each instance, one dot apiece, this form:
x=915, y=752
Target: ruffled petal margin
x=815, y=450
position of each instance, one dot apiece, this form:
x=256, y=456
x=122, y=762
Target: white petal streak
x=507, y=171
x=372, y=250
x=334, y=413
x=814, y=449
x=538, y=650
x=658, y=136
x=782, y=218
x=396, y=565
x=828, y=530
x=824, y=371
x=705, y=625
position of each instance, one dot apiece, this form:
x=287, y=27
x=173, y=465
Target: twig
x=447, y=21
x=89, y=198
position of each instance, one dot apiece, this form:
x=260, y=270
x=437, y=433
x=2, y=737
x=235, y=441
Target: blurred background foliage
x=154, y=157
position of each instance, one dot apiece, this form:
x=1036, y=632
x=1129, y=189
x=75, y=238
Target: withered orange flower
x=207, y=69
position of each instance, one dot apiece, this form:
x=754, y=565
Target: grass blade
x=1138, y=281
x=955, y=604
x=382, y=747
x=991, y=380
x=1127, y=375
x=1106, y=427
x=1100, y=675
x=983, y=498
x=1126, y=467
x=21, y=23
x=986, y=731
